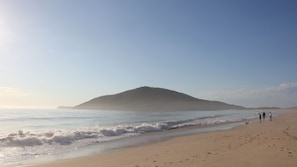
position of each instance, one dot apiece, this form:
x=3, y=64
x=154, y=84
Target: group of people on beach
x=263, y=115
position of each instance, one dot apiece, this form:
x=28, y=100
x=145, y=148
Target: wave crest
x=67, y=137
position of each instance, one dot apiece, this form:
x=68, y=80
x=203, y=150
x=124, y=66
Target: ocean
x=30, y=136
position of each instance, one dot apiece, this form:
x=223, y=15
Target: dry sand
x=271, y=144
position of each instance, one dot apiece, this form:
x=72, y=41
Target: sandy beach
x=270, y=143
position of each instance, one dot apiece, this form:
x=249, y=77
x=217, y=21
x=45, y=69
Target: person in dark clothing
x=260, y=117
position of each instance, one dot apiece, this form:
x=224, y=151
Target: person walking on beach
x=264, y=114
x=270, y=116
x=260, y=117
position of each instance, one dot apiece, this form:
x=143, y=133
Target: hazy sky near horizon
x=64, y=52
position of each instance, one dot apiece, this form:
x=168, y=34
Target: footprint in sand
x=290, y=154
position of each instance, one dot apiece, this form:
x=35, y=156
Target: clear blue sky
x=64, y=52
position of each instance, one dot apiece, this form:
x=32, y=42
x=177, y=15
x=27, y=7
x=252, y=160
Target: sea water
x=27, y=135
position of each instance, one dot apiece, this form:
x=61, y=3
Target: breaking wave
x=97, y=134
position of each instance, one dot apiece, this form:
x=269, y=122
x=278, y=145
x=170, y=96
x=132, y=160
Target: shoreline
x=57, y=142
x=132, y=142
x=255, y=144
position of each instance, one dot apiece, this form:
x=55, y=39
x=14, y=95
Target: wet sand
x=270, y=143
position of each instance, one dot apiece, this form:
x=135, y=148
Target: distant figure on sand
x=264, y=114
x=260, y=117
x=270, y=116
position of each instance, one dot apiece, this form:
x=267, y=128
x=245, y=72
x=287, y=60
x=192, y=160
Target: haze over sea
x=28, y=135
x=65, y=52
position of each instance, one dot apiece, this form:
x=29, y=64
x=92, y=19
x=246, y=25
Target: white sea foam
x=30, y=134
x=68, y=137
